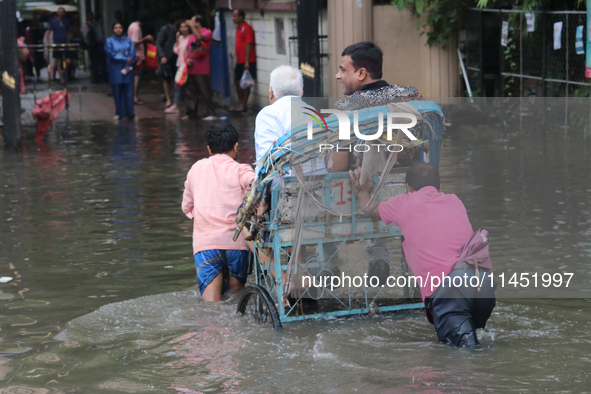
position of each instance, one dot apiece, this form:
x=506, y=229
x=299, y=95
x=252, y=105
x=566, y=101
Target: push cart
x=313, y=217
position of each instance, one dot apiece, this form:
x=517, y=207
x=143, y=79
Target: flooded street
x=104, y=296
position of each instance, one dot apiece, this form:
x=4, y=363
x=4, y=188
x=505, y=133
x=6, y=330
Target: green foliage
x=583, y=91
x=438, y=19
x=511, y=53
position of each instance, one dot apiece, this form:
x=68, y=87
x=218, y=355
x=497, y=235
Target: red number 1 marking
x=341, y=185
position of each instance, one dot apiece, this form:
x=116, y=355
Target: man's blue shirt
x=60, y=30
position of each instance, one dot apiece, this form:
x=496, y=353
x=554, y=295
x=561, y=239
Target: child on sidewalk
x=214, y=189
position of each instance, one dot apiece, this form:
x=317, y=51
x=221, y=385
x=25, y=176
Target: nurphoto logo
x=345, y=129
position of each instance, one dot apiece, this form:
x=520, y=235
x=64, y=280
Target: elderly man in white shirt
x=285, y=112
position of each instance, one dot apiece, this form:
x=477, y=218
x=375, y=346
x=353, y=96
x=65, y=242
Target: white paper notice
x=505, y=33
x=557, y=35
x=579, y=45
x=260, y=31
x=530, y=19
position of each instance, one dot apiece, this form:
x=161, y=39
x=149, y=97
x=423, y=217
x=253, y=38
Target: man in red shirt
x=245, y=57
x=199, y=80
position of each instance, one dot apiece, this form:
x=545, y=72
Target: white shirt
x=278, y=119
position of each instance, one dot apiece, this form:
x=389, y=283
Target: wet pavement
x=104, y=296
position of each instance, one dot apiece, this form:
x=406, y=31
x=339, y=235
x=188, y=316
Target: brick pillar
x=349, y=21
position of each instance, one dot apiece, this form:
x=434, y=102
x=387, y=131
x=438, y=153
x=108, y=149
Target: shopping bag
x=181, y=74
x=151, y=59
x=246, y=82
x=198, y=49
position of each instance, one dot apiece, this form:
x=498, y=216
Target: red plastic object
x=48, y=108
x=151, y=59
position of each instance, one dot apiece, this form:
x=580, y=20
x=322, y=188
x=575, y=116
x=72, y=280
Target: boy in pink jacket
x=214, y=189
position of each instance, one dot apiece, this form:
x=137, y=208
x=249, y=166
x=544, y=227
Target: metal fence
x=528, y=64
x=37, y=89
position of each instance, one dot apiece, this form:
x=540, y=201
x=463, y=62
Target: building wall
x=268, y=58
x=408, y=61
x=349, y=21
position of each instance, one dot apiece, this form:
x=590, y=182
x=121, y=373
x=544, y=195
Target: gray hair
x=286, y=80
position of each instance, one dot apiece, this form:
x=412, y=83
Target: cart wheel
x=258, y=304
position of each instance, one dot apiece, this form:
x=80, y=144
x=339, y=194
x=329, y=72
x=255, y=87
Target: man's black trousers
x=459, y=310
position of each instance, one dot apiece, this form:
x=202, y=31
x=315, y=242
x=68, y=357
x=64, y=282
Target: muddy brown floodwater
x=104, y=300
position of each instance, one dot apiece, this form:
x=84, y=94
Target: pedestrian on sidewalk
x=99, y=38
x=36, y=34
x=198, y=84
x=120, y=52
x=134, y=32
x=246, y=58
x=166, y=56
x=87, y=32
x=60, y=26
x=182, y=38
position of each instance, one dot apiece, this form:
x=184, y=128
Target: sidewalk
x=94, y=102
x=91, y=106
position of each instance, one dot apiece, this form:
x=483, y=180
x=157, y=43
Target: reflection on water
x=103, y=296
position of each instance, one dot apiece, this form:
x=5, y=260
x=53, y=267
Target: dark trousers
x=123, y=95
x=458, y=311
x=198, y=87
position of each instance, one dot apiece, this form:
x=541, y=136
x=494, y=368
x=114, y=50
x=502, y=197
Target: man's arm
x=160, y=38
x=246, y=176
x=248, y=49
x=187, y=205
x=135, y=37
x=249, y=45
x=194, y=29
x=264, y=133
x=362, y=192
x=132, y=54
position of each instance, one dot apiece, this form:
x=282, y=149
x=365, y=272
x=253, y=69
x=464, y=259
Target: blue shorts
x=209, y=265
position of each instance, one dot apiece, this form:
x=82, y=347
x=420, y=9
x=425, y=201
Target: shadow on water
x=103, y=296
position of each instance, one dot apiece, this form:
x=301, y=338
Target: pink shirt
x=435, y=226
x=200, y=65
x=179, y=49
x=214, y=189
x=134, y=32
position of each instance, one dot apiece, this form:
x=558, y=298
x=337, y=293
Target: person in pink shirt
x=182, y=38
x=134, y=32
x=214, y=189
x=199, y=81
x=435, y=226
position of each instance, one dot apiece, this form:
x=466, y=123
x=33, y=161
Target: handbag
x=181, y=74
x=165, y=71
x=151, y=59
x=198, y=49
